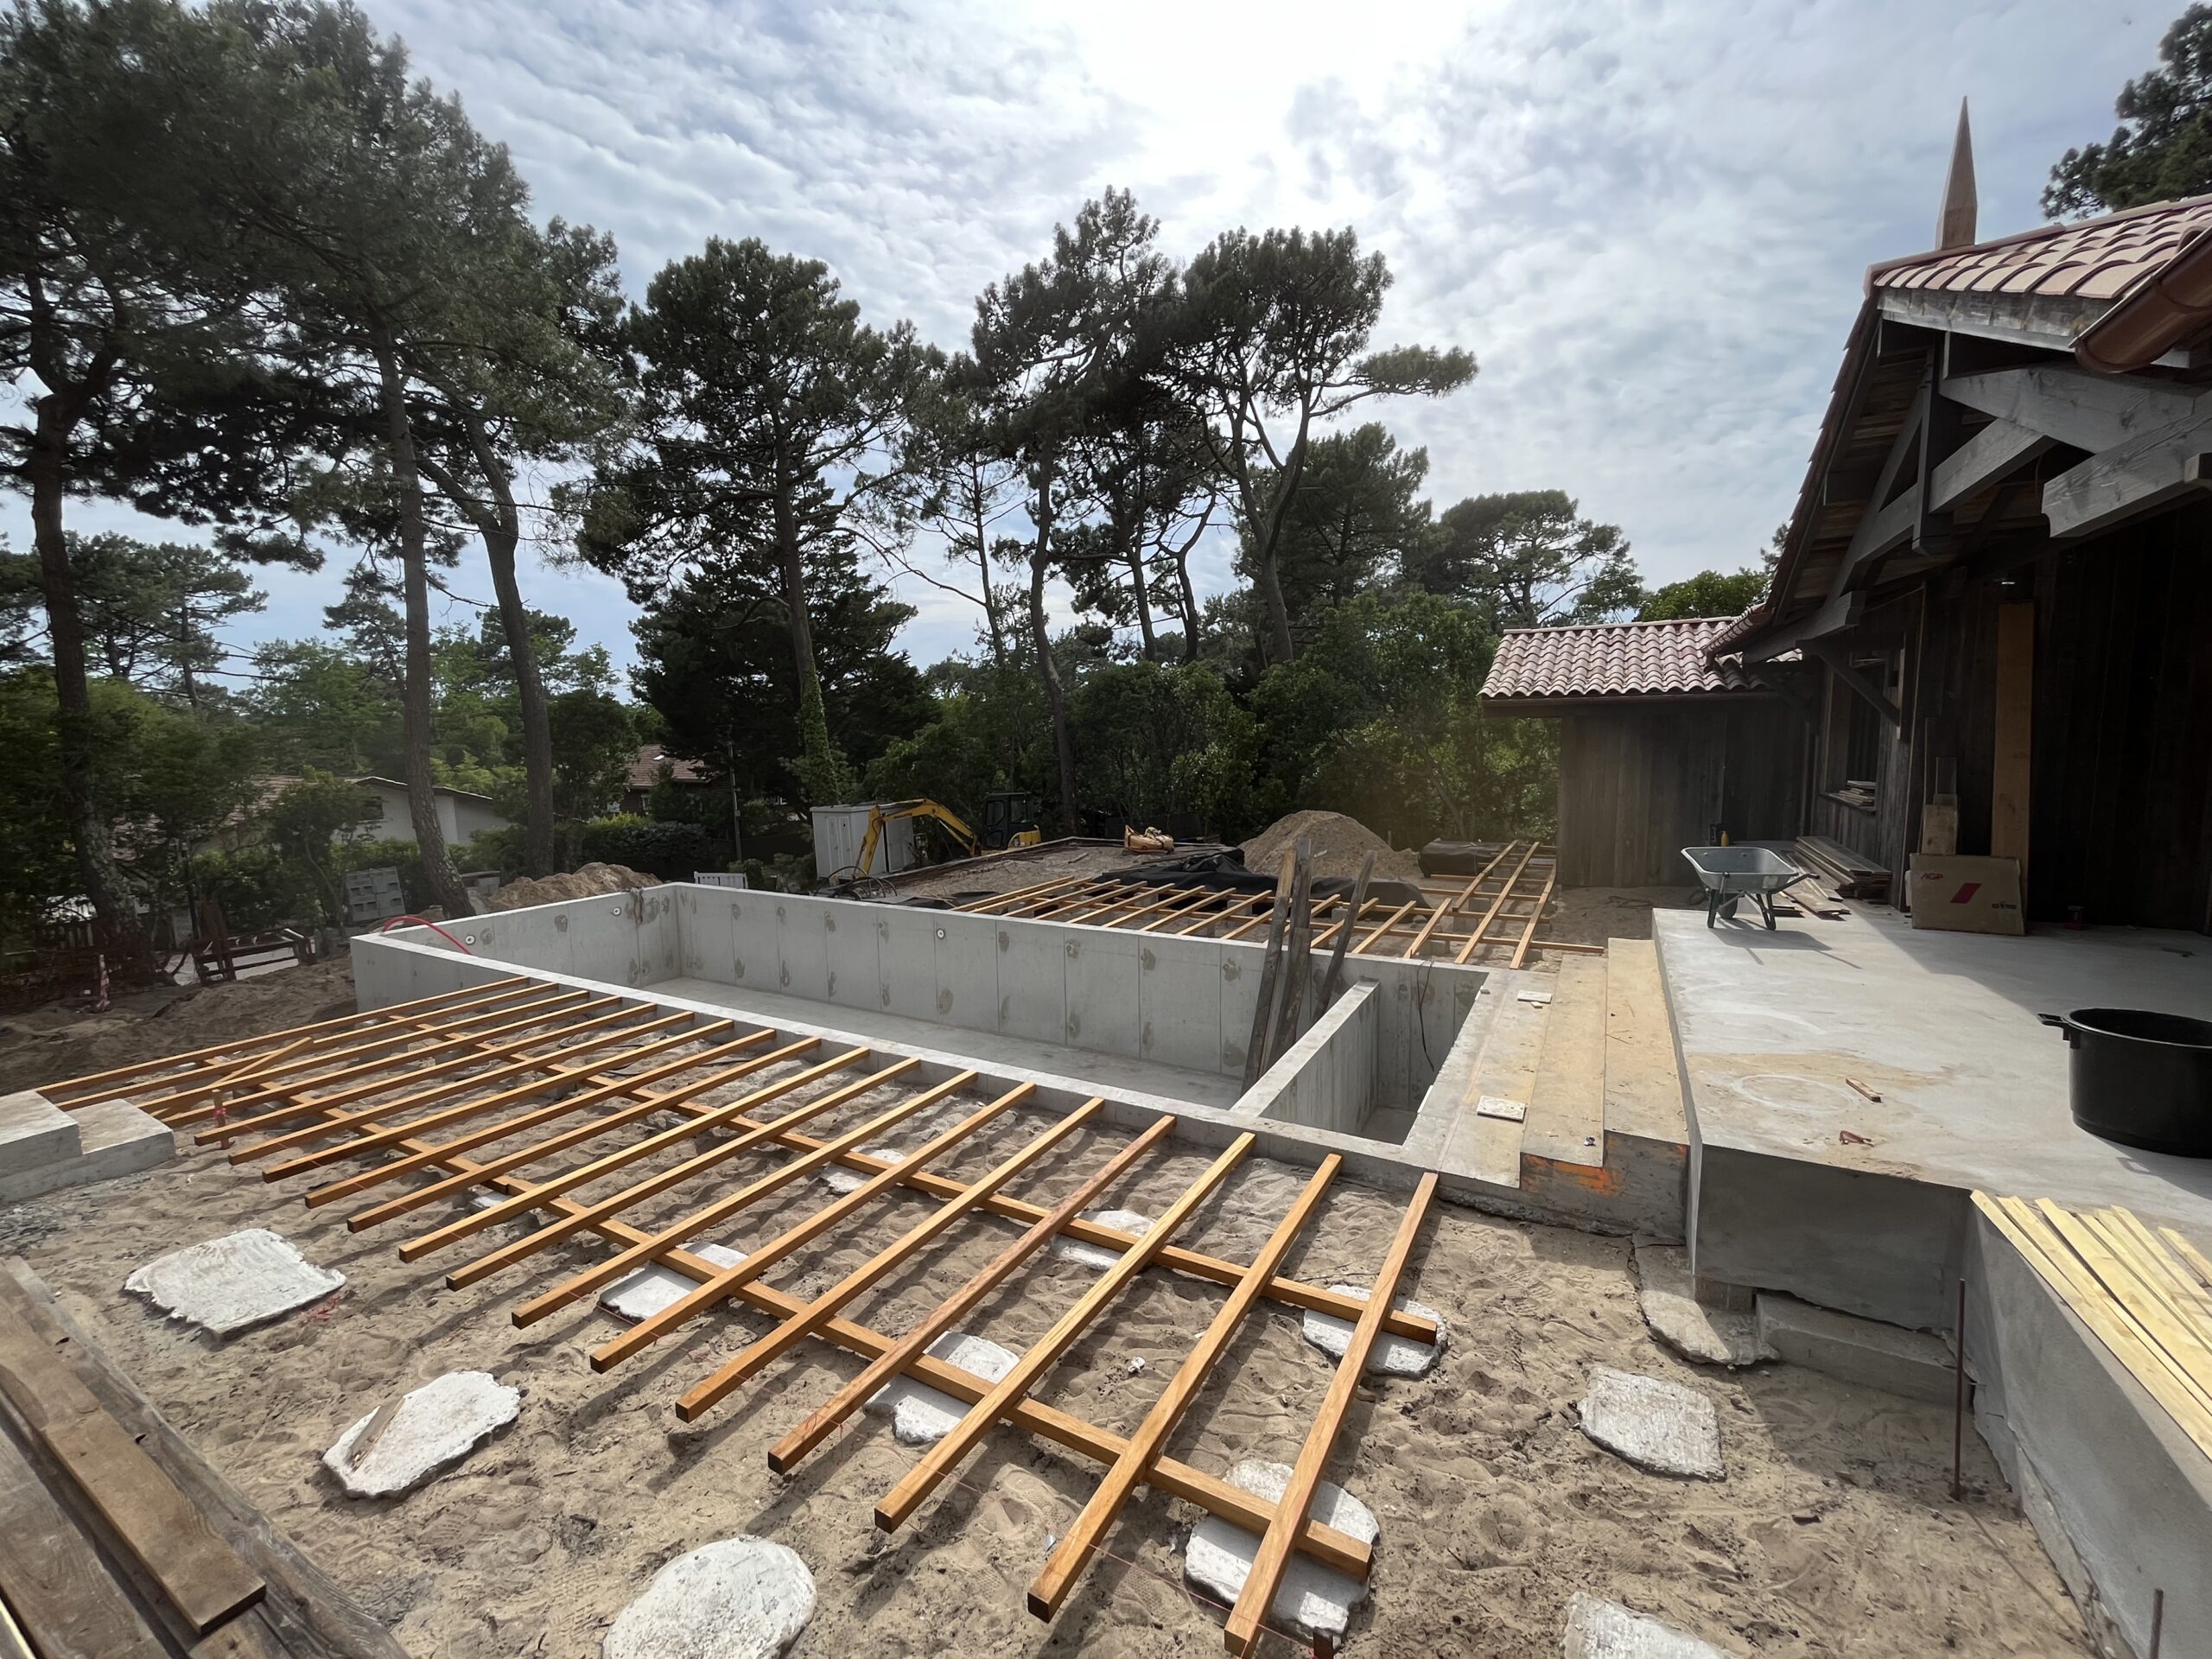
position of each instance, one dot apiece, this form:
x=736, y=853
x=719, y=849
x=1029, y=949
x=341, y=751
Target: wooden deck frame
x=622, y=1082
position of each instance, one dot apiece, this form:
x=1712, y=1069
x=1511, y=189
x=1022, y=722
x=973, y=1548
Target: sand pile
x=1339, y=844
x=31, y=1054
x=585, y=881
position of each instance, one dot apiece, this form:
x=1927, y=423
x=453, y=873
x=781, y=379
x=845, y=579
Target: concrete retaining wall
x=1326, y=1079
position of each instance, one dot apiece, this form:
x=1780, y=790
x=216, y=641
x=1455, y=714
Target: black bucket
x=2143, y=1080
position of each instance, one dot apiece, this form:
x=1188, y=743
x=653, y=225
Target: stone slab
x=232, y=1283
x=1655, y=1424
x=1311, y=1599
x=34, y=1131
x=1711, y=1336
x=921, y=1415
x=654, y=1289
x=114, y=1137
x=1391, y=1356
x=741, y=1597
x=1097, y=1256
x=1910, y=1363
x=435, y=1426
x=1597, y=1629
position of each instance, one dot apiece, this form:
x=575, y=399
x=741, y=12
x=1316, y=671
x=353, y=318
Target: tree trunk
x=118, y=926
x=992, y=620
x=1144, y=601
x=1190, y=607
x=1055, y=699
x=502, y=530
x=415, y=694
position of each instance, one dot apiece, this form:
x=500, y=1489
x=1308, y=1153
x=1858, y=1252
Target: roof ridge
x=1633, y=622
x=2037, y=233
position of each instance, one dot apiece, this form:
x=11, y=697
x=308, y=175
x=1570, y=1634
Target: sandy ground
x=1833, y=1532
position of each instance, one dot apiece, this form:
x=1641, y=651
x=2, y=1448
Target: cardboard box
x=1967, y=895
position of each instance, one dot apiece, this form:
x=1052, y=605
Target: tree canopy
x=2162, y=149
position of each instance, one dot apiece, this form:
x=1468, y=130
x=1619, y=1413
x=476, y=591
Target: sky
x=1648, y=221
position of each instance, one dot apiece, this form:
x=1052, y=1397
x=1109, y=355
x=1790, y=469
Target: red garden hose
x=404, y=921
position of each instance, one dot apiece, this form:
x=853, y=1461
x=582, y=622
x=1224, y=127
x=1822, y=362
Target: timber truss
x=552, y=1114
x=1998, y=436
x=1497, y=909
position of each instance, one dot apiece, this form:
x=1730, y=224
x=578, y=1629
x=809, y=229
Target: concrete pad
x=232, y=1283
x=1605, y=1629
x=1910, y=1363
x=1392, y=1355
x=435, y=1426
x=741, y=1597
x=1097, y=1256
x=1311, y=1599
x=34, y=1131
x=654, y=1288
x=1712, y=1336
x=921, y=1415
x=114, y=1138
x=1655, y=1424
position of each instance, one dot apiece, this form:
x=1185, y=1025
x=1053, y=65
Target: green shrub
x=671, y=851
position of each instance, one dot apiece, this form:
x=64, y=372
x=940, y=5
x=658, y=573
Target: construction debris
x=1696, y=1331
x=232, y=1283
x=1655, y=1424
x=741, y=1597
x=434, y=1428
x=1605, y=1629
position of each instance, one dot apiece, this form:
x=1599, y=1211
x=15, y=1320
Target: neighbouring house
x=1997, y=572
x=644, y=772
x=462, y=814
x=1659, y=742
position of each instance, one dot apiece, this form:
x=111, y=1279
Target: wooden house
x=1660, y=740
x=1998, y=572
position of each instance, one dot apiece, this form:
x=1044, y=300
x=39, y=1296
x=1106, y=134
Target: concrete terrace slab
x=1943, y=1026
x=1113, y=1072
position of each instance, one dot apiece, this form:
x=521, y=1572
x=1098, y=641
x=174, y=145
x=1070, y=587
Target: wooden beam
x=786, y=1453
x=1831, y=616
x=937, y=1462
x=704, y=1396
x=2087, y=411
x=1986, y=458
x=1242, y=1633
x=2130, y=479
x=2009, y=800
x=1050, y=1587
x=1838, y=663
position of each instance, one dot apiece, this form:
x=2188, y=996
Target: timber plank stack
x=116, y=1541
x=1846, y=874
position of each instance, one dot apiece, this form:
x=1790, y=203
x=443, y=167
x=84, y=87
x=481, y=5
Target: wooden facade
x=1639, y=782
x=1998, y=582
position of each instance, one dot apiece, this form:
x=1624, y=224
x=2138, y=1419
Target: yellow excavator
x=1009, y=820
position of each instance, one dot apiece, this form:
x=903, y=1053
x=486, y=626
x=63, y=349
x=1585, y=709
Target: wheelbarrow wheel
x=1728, y=909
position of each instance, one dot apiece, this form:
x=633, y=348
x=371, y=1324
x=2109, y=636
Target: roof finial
x=1955, y=224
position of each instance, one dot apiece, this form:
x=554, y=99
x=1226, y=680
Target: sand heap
x=586, y=881
x=1339, y=844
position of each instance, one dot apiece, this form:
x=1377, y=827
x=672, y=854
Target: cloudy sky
x=1648, y=219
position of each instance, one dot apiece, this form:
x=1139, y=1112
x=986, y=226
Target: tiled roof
x=1614, y=659
x=2096, y=259
x=645, y=768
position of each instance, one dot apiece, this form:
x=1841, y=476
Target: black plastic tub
x=2143, y=1080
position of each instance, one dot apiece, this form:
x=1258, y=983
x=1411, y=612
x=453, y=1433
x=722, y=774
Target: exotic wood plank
x=377, y=1140
x=757, y=1260
x=583, y=1174
x=922, y=1479
x=706, y=1394
x=447, y=1077
x=638, y=1255
x=1375, y=934
x=201, y=1576
x=1052, y=1584
x=1535, y=915
x=54, y=1580
x=244, y=1047
x=1464, y=896
x=1242, y=1633
x=644, y=1104
x=1481, y=934
x=787, y=1452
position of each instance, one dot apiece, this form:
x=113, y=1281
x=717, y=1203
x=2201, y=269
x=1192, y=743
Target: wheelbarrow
x=1731, y=874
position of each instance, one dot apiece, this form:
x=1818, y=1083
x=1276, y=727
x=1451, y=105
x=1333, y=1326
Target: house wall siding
x=1636, y=785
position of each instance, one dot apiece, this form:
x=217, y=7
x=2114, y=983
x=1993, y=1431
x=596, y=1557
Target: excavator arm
x=885, y=812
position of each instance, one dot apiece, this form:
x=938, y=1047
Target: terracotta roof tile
x=2098, y=258
x=1614, y=659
